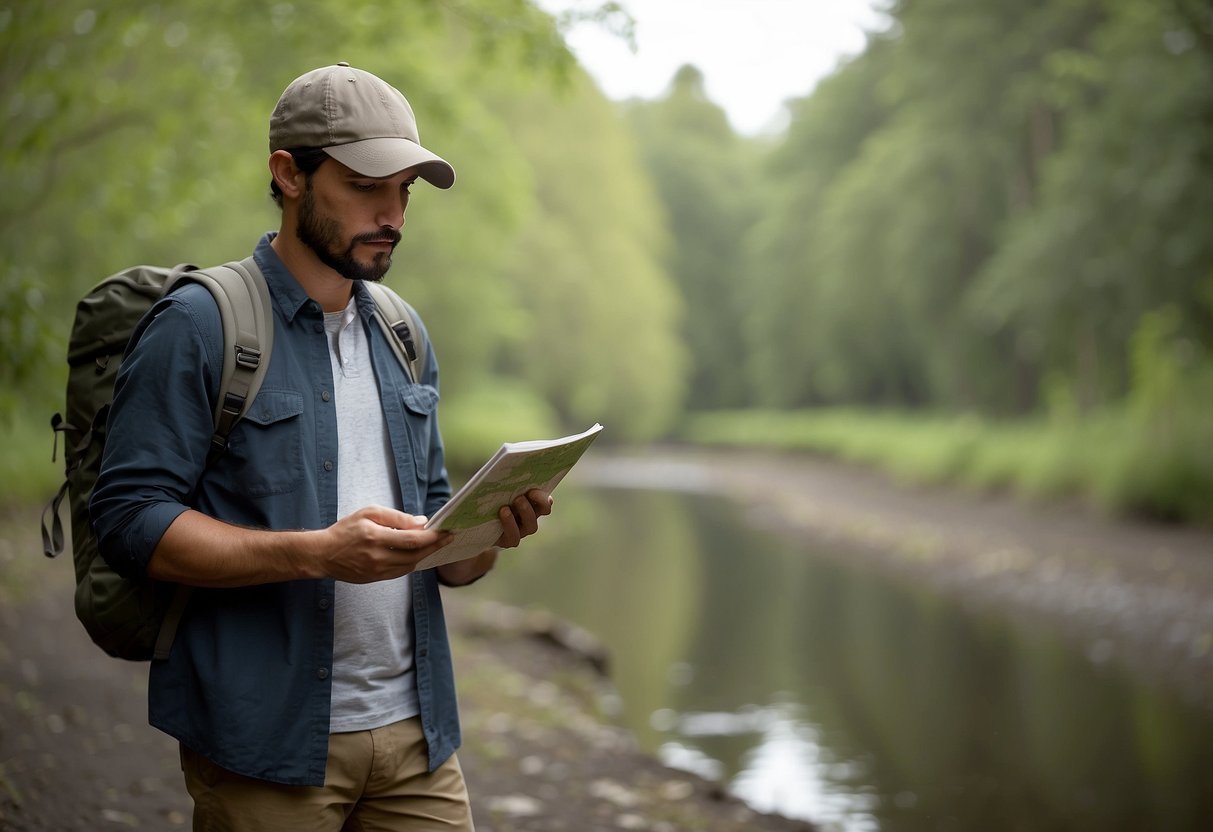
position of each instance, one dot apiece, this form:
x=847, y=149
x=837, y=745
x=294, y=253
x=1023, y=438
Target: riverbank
x=1145, y=458
x=1125, y=591
x=540, y=751
x=76, y=752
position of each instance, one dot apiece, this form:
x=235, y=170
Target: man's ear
x=291, y=181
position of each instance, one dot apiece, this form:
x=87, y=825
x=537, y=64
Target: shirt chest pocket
x=265, y=452
x=420, y=405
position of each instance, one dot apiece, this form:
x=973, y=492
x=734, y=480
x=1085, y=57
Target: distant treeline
x=1002, y=209
x=983, y=211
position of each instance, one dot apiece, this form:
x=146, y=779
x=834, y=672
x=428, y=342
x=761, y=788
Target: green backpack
x=137, y=619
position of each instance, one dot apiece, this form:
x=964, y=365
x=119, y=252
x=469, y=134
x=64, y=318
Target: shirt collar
x=285, y=290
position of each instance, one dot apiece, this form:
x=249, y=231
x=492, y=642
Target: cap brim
x=389, y=156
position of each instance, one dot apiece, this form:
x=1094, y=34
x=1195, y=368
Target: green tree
x=596, y=330
x=795, y=325
x=989, y=196
x=1120, y=226
x=704, y=173
x=137, y=134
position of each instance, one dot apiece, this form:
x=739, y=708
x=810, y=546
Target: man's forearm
x=201, y=551
x=372, y=544
x=468, y=570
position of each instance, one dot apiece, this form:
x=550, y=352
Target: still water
x=823, y=691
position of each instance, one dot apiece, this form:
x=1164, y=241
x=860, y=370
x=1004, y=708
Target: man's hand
x=521, y=518
x=377, y=544
x=518, y=520
x=374, y=544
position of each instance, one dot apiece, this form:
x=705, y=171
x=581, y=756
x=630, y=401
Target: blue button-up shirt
x=247, y=683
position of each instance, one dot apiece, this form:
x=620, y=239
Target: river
x=819, y=687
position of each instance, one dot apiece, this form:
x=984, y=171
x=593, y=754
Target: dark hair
x=307, y=159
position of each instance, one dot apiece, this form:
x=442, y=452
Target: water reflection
x=820, y=690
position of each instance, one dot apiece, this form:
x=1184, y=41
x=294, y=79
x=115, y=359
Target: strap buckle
x=406, y=337
x=248, y=358
x=232, y=404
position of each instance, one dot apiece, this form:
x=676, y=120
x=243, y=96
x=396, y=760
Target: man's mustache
x=392, y=237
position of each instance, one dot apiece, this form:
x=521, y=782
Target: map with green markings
x=513, y=474
x=515, y=469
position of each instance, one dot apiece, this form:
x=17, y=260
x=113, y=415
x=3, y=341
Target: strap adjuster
x=406, y=337
x=232, y=404
x=248, y=358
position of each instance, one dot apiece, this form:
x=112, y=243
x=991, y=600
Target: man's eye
x=365, y=186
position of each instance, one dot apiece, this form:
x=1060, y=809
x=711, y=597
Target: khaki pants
x=375, y=781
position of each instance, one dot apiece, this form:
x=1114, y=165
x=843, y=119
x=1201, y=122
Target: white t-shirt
x=373, y=675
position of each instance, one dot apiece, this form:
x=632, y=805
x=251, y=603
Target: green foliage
x=989, y=196
x=1120, y=226
x=996, y=209
x=1166, y=469
x=1111, y=460
x=475, y=425
x=23, y=336
x=28, y=475
x=596, y=329
x=136, y=133
x=703, y=173
x=795, y=314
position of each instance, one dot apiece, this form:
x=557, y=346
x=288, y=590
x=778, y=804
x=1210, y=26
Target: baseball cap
x=358, y=119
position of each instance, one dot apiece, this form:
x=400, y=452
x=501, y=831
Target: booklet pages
x=515, y=469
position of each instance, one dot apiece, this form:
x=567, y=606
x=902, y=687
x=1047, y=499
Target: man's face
x=352, y=222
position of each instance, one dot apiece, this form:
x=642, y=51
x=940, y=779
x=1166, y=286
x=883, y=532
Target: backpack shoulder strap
x=399, y=323
x=243, y=298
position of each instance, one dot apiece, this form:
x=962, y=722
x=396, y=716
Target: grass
x=1112, y=460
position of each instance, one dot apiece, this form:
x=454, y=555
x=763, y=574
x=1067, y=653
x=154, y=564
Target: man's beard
x=323, y=236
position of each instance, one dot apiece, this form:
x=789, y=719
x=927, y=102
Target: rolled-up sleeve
x=159, y=428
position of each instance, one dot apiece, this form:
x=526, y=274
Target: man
x=310, y=681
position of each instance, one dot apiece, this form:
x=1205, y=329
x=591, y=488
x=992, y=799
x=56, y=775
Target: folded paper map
x=515, y=469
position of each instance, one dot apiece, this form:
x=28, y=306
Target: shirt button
x=328, y=465
x=322, y=673
x=318, y=327
x=325, y=395
x=324, y=603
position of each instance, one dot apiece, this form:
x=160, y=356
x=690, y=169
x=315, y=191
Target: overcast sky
x=754, y=54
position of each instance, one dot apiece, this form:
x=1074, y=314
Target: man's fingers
x=411, y=539
x=541, y=501
x=521, y=517
x=510, y=534
x=528, y=523
x=392, y=518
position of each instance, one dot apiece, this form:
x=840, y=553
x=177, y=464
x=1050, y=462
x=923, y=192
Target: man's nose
x=392, y=209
